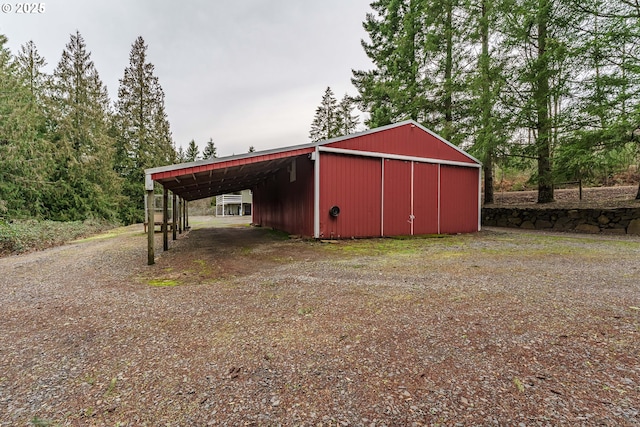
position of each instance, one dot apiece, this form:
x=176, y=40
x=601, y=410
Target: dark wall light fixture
x=334, y=211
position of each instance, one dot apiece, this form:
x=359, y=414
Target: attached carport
x=207, y=178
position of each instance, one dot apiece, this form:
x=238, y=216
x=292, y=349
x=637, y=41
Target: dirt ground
x=243, y=326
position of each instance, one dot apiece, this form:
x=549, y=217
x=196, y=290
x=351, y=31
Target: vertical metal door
x=425, y=198
x=459, y=199
x=397, y=213
x=353, y=184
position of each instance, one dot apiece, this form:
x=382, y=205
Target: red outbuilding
x=400, y=179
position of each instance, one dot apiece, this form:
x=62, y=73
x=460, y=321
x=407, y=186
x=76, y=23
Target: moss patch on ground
x=162, y=283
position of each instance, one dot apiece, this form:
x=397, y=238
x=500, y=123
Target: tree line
x=551, y=85
x=66, y=151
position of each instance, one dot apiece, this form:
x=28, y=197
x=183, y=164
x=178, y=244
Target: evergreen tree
x=419, y=52
x=326, y=122
x=30, y=71
x=347, y=121
x=180, y=156
x=12, y=98
x=540, y=84
x=540, y=36
x=36, y=150
x=25, y=154
x=388, y=93
x=163, y=149
x=85, y=182
x=210, y=151
x=143, y=135
x=487, y=122
x=192, y=152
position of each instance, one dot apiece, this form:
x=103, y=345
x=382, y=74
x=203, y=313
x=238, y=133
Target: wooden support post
x=173, y=216
x=150, y=229
x=165, y=219
x=184, y=216
x=180, y=215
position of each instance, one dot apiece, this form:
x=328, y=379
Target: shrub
x=26, y=235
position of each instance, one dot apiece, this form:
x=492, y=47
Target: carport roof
x=206, y=178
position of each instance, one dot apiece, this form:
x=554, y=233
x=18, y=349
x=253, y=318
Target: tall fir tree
x=347, y=121
x=143, y=135
x=540, y=84
x=192, y=153
x=25, y=153
x=30, y=67
x=85, y=182
x=36, y=152
x=386, y=92
x=418, y=52
x=180, y=155
x=326, y=122
x=210, y=150
x=12, y=98
x=488, y=123
x=540, y=36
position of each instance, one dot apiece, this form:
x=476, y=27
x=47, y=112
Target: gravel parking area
x=236, y=325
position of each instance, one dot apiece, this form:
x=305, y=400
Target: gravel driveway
x=243, y=326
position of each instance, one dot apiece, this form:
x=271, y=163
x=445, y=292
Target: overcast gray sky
x=243, y=72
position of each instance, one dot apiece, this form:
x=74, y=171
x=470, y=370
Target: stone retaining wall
x=609, y=221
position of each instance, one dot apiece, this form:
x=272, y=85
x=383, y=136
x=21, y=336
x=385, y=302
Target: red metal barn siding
x=255, y=206
x=404, y=140
x=354, y=184
x=425, y=198
x=397, y=198
x=267, y=204
x=262, y=201
x=284, y=204
x=459, y=199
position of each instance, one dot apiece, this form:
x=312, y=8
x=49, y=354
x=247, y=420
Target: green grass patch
x=203, y=267
x=305, y=311
x=519, y=385
x=544, y=245
x=41, y=422
x=112, y=387
x=401, y=245
x=162, y=283
x=277, y=234
x=115, y=232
